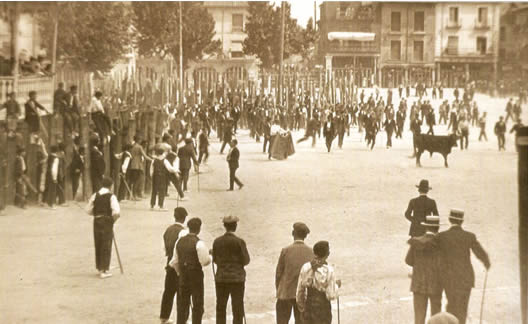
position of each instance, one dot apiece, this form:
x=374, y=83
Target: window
x=344, y=10
x=238, y=23
x=396, y=50
x=419, y=20
x=453, y=14
x=503, y=33
x=395, y=21
x=481, y=45
x=236, y=49
x=502, y=53
x=452, y=45
x=483, y=16
x=418, y=51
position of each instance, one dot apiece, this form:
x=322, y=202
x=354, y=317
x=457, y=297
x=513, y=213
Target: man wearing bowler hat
x=458, y=276
x=170, y=237
x=420, y=207
x=231, y=255
x=424, y=257
x=291, y=260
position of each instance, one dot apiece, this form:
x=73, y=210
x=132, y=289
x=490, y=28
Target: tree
x=91, y=35
x=264, y=30
x=157, y=24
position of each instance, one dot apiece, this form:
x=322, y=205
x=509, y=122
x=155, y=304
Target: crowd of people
x=305, y=283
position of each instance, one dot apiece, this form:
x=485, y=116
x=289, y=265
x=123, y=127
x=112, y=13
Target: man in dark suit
x=426, y=283
x=231, y=255
x=32, y=116
x=232, y=159
x=227, y=134
x=458, y=275
x=186, y=154
x=72, y=110
x=76, y=168
x=97, y=166
x=171, y=276
x=291, y=260
x=420, y=207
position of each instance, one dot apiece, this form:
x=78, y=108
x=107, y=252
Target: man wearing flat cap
x=424, y=257
x=420, y=207
x=170, y=237
x=458, y=277
x=291, y=260
x=231, y=256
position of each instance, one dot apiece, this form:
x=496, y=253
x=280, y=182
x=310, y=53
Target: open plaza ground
x=354, y=198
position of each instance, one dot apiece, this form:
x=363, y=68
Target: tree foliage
x=157, y=24
x=91, y=35
x=264, y=34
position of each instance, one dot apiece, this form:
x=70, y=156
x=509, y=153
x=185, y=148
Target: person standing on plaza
x=104, y=207
x=509, y=110
x=463, y=131
x=482, y=126
x=424, y=257
x=159, y=173
x=291, y=259
x=419, y=208
x=232, y=160
x=500, y=130
x=203, y=146
x=185, y=155
x=171, y=235
x=231, y=256
x=311, y=130
x=329, y=132
x=136, y=168
x=317, y=287
x=457, y=271
x=20, y=174
x=52, y=174
x=97, y=165
x=191, y=255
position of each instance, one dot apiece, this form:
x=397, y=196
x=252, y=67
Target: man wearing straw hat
x=424, y=257
x=420, y=207
x=458, y=275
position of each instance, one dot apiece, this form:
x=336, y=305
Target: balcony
x=42, y=85
x=354, y=47
x=453, y=24
x=482, y=25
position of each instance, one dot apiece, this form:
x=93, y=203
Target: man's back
x=291, y=260
x=455, y=245
x=136, y=162
x=170, y=237
x=231, y=255
x=419, y=208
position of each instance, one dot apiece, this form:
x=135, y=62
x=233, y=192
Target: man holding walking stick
x=458, y=275
x=104, y=207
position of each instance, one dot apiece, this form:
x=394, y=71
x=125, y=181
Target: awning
x=351, y=36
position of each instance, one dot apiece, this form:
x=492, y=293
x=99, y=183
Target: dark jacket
x=424, y=257
x=291, y=260
x=170, y=237
x=417, y=210
x=231, y=255
x=97, y=163
x=32, y=118
x=77, y=164
x=455, y=245
x=233, y=157
x=185, y=154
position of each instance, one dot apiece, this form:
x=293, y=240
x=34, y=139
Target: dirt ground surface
x=354, y=198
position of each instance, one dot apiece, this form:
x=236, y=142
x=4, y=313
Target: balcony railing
x=42, y=85
x=354, y=46
x=481, y=25
x=453, y=24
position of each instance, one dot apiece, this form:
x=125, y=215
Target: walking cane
x=198, y=176
x=483, y=294
x=127, y=187
x=338, y=312
x=117, y=253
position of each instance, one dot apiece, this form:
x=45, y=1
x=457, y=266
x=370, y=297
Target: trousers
x=236, y=291
x=283, y=310
x=103, y=235
x=457, y=303
x=171, y=289
x=233, y=178
x=191, y=287
x=420, y=306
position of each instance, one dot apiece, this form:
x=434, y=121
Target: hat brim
x=424, y=188
x=456, y=217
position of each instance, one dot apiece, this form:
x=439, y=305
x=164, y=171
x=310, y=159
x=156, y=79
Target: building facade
x=467, y=43
x=231, y=68
x=350, y=40
x=513, y=45
x=407, y=43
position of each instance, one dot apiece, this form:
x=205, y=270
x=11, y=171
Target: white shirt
x=96, y=105
x=126, y=162
x=201, y=249
x=166, y=163
x=114, y=204
x=55, y=168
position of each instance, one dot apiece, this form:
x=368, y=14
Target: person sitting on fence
x=102, y=123
x=32, y=115
x=12, y=113
x=72, y=111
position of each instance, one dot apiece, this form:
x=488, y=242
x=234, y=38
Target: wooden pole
x=55, y=36
x=181, y=55
x=281, y=67
x=522, y=145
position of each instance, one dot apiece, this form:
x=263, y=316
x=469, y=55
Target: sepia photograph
x=264, y=162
